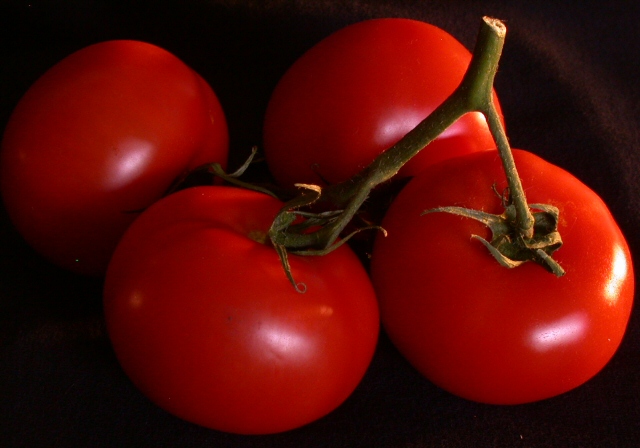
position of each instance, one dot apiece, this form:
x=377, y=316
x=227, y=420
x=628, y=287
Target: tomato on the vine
x=205, y=322
x=358, y=92
x=99, y=137
x=480, y=330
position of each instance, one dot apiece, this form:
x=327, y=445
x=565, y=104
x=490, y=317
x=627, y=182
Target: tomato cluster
x=198, y=308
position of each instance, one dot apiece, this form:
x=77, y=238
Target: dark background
x=570, y=91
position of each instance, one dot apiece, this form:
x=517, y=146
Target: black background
x=570, y=91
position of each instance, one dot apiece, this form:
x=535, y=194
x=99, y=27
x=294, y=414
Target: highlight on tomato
x=359, y=91
x=485, y=332
x=98, y=138
x=206, y=324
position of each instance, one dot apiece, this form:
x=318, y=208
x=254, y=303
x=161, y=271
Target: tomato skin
x=99, y=137
x=204, y=321
x=484, y=332
x=359, y=91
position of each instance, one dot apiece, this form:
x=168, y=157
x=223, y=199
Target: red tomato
x=205, y=322
x=488, y=333
x=359, y=91
x=98, y=137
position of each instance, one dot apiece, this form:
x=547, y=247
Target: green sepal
x=507, y=246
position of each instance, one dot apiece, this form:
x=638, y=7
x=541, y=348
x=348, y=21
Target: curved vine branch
x=474, y=94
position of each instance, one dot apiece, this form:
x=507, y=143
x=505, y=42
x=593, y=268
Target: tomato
x=99, y=137
x=359, y=91
x=205, y=322
x=485, y=332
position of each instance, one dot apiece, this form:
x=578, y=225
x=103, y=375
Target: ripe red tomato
x=98, y=137
x=489, y=333
x=204, y=321
x=359, y=91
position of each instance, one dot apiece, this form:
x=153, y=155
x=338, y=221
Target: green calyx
x=510, y=247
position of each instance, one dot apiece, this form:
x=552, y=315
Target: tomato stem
x=524, y=218
x=474, y=94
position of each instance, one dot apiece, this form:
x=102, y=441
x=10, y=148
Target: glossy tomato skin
x=484, y=332
x=99, y=137
x=359, y=91
x=204, y=321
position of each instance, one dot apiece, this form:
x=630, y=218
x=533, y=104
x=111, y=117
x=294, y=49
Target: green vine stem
x=474, y=94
